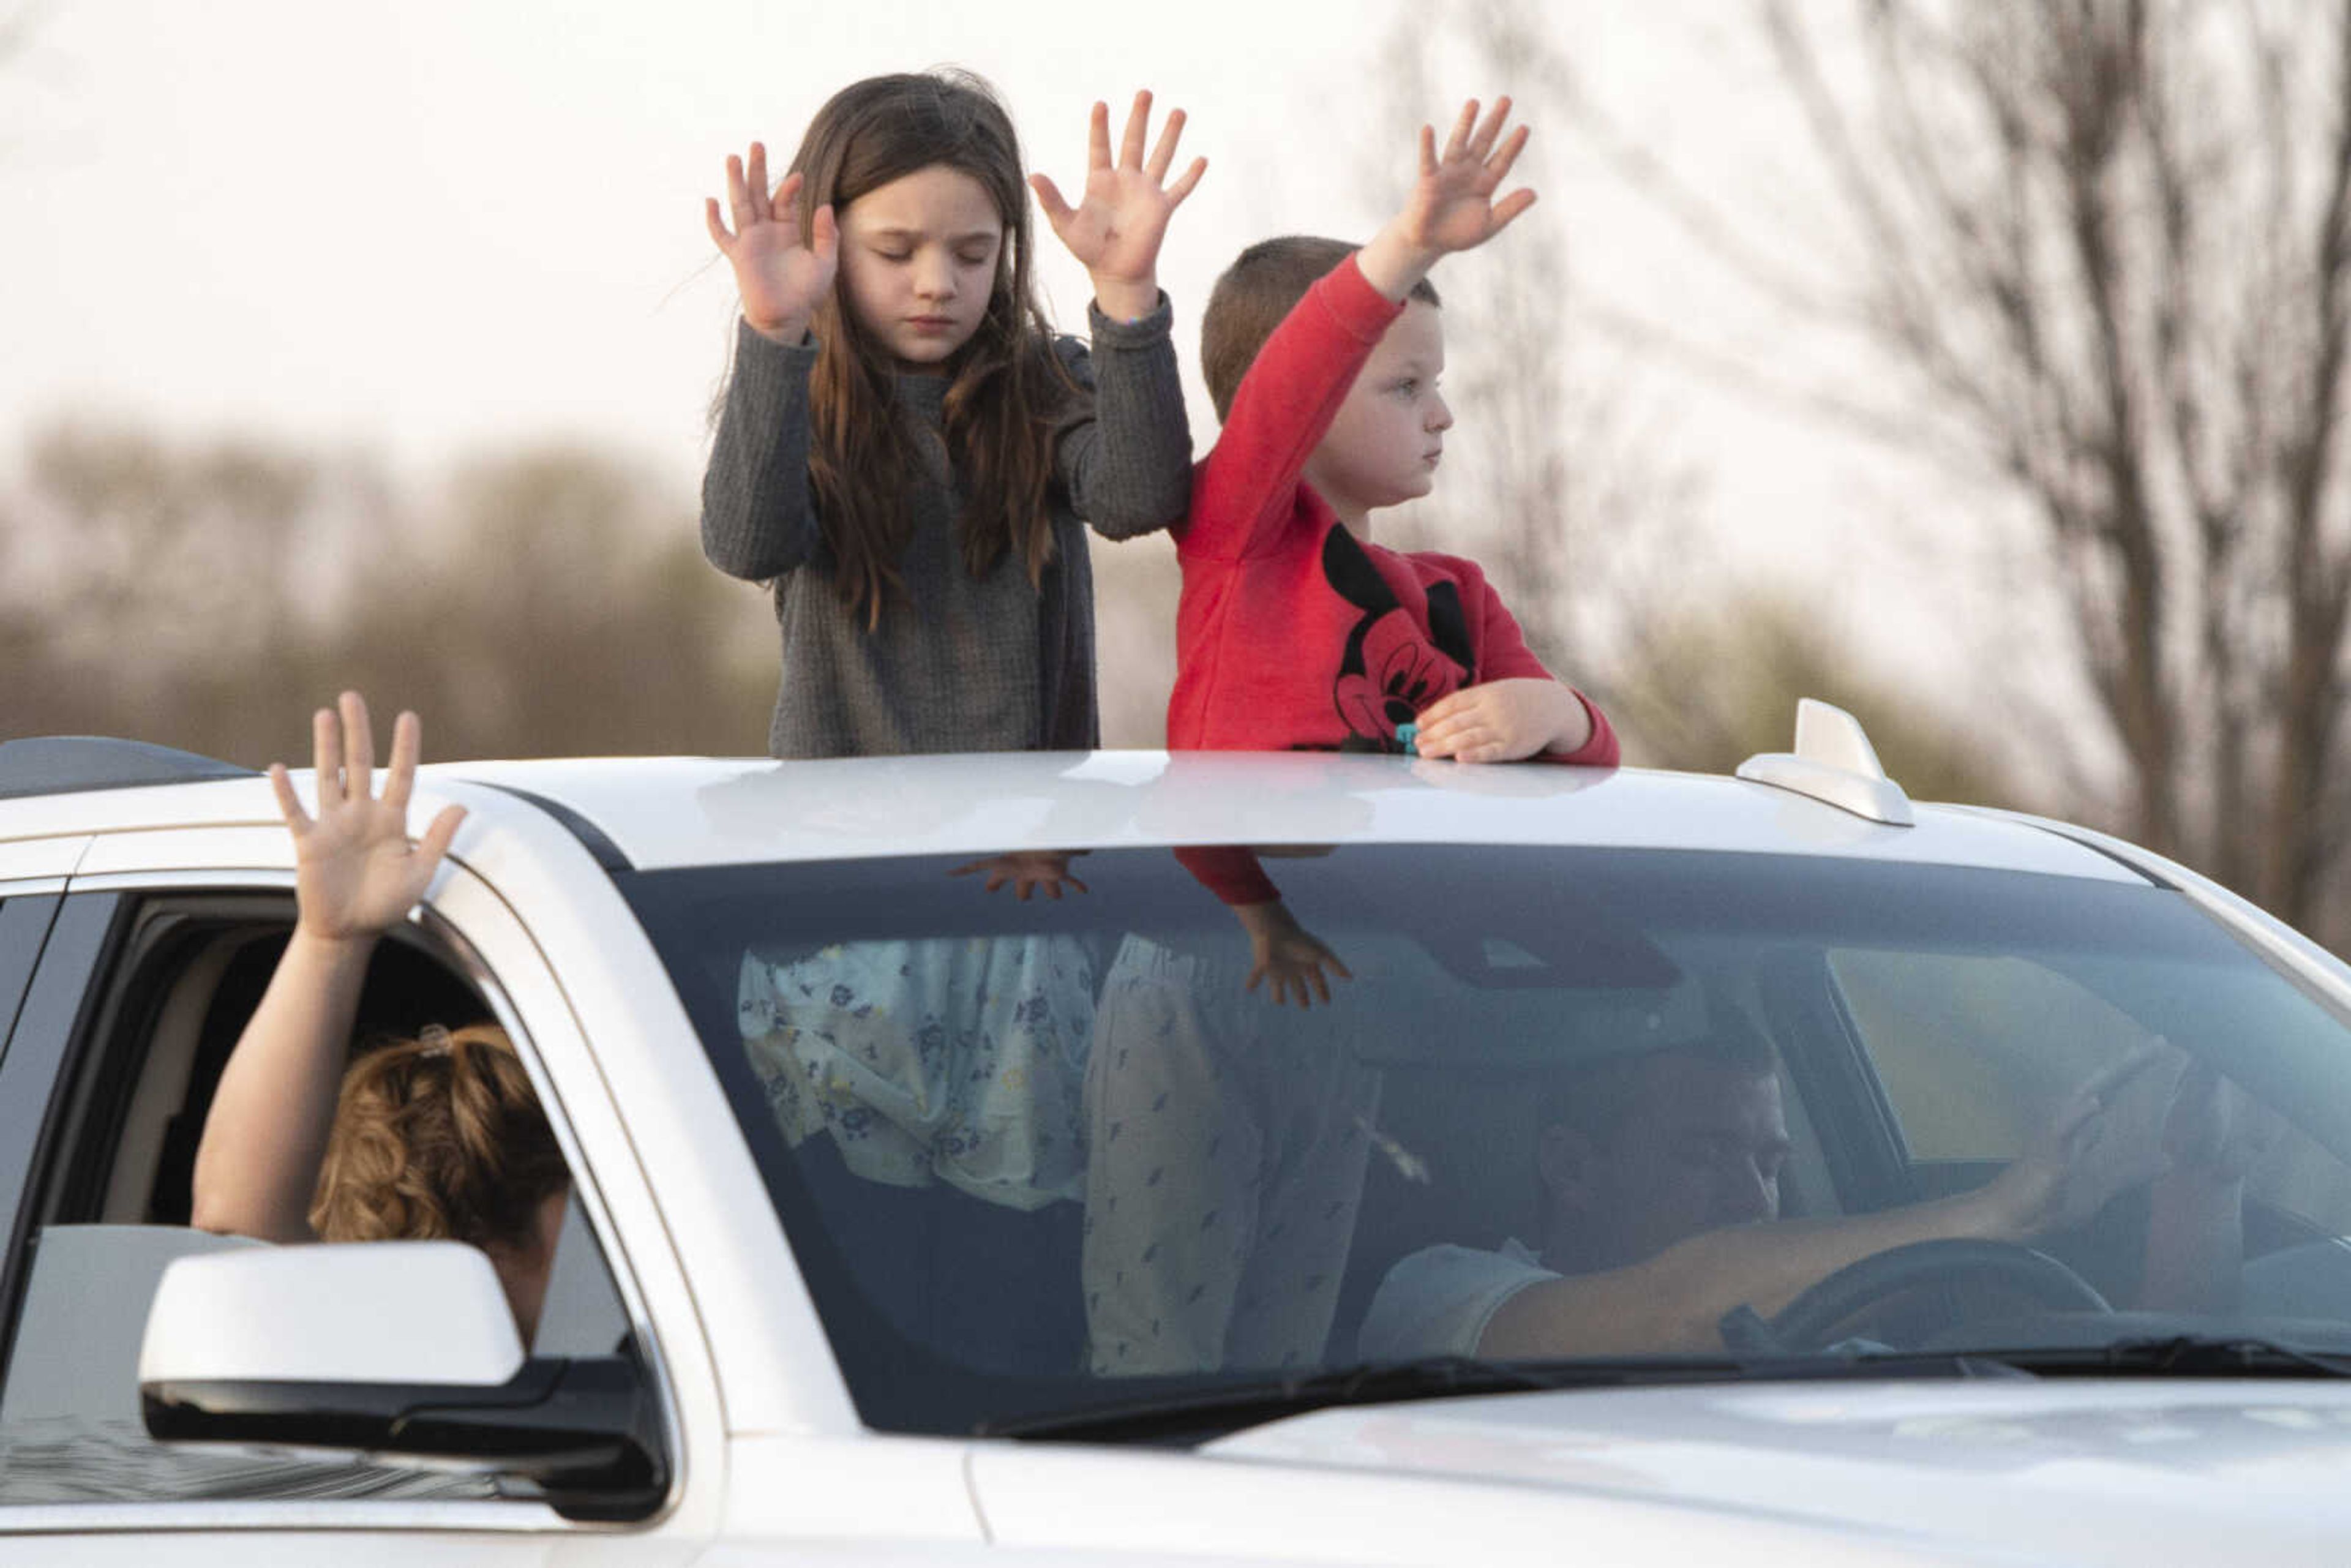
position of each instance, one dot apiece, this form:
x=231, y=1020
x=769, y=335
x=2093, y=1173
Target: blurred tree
x=549, y=602
x=2109, y=242
x=1590, y=526
x=1704, y=688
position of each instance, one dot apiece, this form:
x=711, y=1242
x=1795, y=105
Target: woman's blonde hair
x=438, y=1137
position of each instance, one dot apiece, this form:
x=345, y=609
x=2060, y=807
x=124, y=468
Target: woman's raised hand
x=782, y=280
x=357, y=874
x=1122, y=215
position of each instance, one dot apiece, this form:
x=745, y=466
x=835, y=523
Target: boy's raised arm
x=1246, y=492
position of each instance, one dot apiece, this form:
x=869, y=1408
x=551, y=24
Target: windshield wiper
x=1195, y=1412
x=2173, y=1355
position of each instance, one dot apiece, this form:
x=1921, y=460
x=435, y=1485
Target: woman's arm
x=356, y=876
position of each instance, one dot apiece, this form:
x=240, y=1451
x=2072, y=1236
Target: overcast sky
x=438, y=227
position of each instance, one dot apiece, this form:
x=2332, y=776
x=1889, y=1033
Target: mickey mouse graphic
x=1389, y=672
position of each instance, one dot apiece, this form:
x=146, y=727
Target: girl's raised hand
x=1452, y=204
x=782, y=281
x=356, y=876
x=1116, y=226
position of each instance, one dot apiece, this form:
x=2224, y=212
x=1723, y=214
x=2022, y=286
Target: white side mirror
x=392, y=1348
x=378, y=1311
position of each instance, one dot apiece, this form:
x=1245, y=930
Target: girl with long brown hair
x=904, y=448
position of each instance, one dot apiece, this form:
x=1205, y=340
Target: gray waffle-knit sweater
x=960, y=663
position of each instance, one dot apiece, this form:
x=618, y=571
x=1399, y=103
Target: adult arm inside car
x=1677, y=1300
x=358, y=875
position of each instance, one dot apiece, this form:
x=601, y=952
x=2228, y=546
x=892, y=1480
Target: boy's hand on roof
x=1122, y=215
x=1503, y=721
x=1452, y=206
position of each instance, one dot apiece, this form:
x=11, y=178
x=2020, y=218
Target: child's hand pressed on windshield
x=1291, y=960
x=1027, y=870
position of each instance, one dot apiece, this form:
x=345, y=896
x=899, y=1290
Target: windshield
x=1667, y=1109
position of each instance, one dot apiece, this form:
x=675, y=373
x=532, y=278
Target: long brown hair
x=1007, y=386
x=438, y=1137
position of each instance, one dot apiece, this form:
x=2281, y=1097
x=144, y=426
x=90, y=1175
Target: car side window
x=23, y=921
x=107, y=1206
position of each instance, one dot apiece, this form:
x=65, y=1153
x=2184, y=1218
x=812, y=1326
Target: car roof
x=669, y=812
x=657, y=813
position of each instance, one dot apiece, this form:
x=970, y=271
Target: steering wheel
x=1804, y=1323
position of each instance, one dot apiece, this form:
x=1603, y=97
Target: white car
x=838, y=1280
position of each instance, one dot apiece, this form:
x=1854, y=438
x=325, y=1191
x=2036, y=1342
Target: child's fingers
x=1498, y=167
x=288, y=805
x=1443, y=708
x=1427, y=151
x=1098, y=137
x=1463, y=125
x=738, y=194
x=1483, y=141
x=437, y=838
x=1182, y=187
x=756, y=179
x=1138, y=125
x=1163, y=155
x=1073, y=882
x=824, y=233
x=1049, y=199
x=717, y=226
x=783, y=206
x=327, y=755
x=1506, y=211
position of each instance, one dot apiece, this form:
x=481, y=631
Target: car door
x=128, y=957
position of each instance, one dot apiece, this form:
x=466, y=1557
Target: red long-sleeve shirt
x=1291, y=633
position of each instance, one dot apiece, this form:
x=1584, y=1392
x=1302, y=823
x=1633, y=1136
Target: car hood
x=2089, y=1471
x=2182, y=1473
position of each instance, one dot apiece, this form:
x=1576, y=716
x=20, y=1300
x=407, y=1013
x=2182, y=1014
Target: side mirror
x=392, y=1348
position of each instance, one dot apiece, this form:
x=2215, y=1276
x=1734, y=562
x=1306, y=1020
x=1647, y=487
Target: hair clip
x=434, y=1039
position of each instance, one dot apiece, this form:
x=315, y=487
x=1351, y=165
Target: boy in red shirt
x=1228, y=1139
x=1295, y=631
